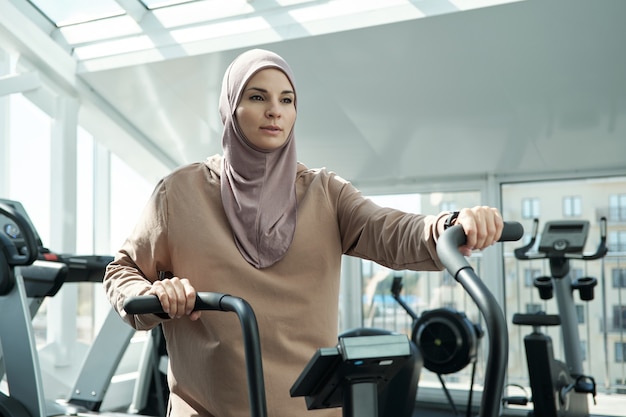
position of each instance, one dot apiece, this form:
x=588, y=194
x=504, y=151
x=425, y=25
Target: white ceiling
x=525, y=88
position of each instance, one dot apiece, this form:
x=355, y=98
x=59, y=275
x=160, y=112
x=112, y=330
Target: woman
x=257, y=224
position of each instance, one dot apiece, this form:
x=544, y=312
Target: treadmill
x=29, y=273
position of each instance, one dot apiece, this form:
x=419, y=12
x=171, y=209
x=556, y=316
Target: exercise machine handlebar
x=452, y=238
x=149, y=304
x=602, y=250
x=523, y=253
x=495, y=323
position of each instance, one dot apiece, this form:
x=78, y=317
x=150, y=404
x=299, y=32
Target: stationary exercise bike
x=352, y=373
x=559, y=388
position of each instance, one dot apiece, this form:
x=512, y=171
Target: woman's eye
x=256, y=98
x=287, y=100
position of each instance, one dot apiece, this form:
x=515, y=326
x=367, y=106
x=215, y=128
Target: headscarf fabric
x=257, y=186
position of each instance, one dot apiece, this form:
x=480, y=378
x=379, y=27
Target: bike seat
x=536, y=319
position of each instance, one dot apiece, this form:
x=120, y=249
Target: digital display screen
x=566, y=228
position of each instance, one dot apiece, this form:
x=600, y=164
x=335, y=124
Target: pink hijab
x=257, y=186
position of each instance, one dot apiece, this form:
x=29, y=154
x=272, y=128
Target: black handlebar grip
x=149, y=304
x=143, y=304
x=511, y=232
x=452, y=238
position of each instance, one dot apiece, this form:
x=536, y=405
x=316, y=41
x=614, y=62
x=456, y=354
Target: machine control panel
x=564, y=236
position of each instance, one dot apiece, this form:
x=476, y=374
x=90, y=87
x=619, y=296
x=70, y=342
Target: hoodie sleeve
x=141, y=257
x=390, y=237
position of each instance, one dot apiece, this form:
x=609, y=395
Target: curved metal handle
x=149, y=304
x=495, y=323
x=602, y=250
x=450, y=240
x=522, y=253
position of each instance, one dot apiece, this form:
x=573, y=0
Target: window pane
x=129, y=194
x=154, y=4
x=68, y=12
x=29, y=134
x=84, y=193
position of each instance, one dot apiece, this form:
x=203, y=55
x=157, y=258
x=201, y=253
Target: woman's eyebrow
x=263, y=90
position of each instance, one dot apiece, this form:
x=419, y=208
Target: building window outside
x=620, y=350
x=618, y=277
x=619, y=317
x=530, y=208
x=580, y=313
x=617, y=240
x=572, y=206
x=617, y=207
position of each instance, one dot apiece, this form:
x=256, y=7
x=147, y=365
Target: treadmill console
x=11, y=232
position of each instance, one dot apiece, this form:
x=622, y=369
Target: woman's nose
x=273, y=110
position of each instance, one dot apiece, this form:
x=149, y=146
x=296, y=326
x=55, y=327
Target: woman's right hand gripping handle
x=454, y=237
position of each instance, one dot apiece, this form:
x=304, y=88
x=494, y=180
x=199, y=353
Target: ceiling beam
x=19, y=83
x=21, y=35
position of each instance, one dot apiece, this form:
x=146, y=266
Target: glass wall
x=66, y=324
x=600, y=320
x=29, y=149
x=602, y=335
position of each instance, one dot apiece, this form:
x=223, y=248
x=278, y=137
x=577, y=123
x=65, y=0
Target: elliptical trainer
x=569, y=388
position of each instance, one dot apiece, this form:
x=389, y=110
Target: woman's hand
x=482, y=225
x=177, y=297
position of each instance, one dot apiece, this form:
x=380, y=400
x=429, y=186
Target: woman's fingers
x=177, y=297
x=482, y=225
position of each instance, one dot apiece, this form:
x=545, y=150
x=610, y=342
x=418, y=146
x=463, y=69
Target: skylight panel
x=71, y=12
x=221, y=29
x=201, y=11
x=100, y=29
x=155, y=4
x=116, y=47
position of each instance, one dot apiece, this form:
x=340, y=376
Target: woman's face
x=266, y=112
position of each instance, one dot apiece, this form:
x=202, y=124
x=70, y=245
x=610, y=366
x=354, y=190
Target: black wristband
x=450, y=220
